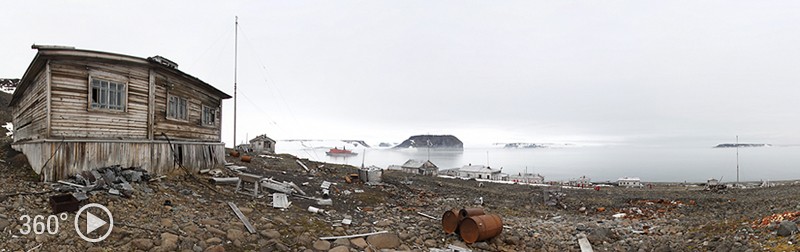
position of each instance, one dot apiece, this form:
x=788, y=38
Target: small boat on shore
x=336, y=152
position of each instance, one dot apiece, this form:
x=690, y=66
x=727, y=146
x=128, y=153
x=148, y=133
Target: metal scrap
x=241, y=216
x=352, y=236
x=280, y=200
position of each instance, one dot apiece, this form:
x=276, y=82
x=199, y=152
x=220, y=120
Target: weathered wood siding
x=193, y=128
x=30, y=115
x=70, y=115
x=72, y=157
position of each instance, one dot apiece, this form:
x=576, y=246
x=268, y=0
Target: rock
x=213, y=241
x=341, y=242
x=272, y=234
x=216, y=248
x=383, y=223
x=143, y=244
x=322, y=245
x=4, y=223
x=359, y=242
x=384, y=241
x=787, y=228
x=601, y=234
x=235, y=235
x=169, y=242
x=431, y=243
x=340, y=249
x=246, y=210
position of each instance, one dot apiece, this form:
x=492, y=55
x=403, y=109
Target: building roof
x=478, y=168
x=629, y=179
x=263, y=137
x=47, y=52
x=413, y=163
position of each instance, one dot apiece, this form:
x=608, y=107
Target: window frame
x=186, y=112
x=214, y=112
x=110, y=79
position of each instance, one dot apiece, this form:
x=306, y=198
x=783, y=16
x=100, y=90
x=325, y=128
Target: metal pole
x=235, y=71
x=737, y=159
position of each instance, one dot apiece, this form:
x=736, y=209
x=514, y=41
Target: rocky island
x=740, y=145
x=432, y=141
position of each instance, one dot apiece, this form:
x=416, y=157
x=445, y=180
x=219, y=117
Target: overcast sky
x=614, y=72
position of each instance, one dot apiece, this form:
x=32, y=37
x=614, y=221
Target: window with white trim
x=209, y=115
x=176, y=108
x=107, y=95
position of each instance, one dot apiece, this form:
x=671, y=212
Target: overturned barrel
x=450, y=221
x=246, y=158
x=469, y=212
x=234, y=154
x=480, y=228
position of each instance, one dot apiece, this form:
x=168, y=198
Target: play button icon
x=93, y=222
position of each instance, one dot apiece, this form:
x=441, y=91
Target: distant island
x=742, y=145
x=432, y=141
x=531, y=145
x=385, y=144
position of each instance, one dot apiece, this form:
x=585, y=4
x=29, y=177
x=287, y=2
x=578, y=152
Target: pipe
x=480, y=228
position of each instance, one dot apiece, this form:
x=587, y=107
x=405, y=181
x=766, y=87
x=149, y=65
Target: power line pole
x=235, y=71
x=737, y=159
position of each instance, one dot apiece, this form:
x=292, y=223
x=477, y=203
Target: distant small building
x=583, y=181
x=527, y=178
x=480, y=172
x=263, y=144
x=414, y=166
x=712, y=182
x=629, y=182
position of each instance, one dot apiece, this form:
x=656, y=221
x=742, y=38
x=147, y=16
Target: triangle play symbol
x=93, y=222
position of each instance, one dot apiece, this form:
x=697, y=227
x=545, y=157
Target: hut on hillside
x=263, y=144
x=77, y=110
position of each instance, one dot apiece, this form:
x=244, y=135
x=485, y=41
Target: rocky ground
x=198, y=218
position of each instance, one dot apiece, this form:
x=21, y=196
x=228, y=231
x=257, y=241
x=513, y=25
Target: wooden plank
x=241, y=216
x=585, y=245
x=49, y=99
x=151, y=97
x=351, y=236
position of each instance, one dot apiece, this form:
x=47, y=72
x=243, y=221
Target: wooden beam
x=49, y=101
x=151, y=104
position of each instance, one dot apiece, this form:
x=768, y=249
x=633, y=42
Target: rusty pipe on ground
x=480, y=228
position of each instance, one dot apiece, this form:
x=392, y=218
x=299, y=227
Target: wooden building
x=263, y=144
x=77, y=110
x=420, y=167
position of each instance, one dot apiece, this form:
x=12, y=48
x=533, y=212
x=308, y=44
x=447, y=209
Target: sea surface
x=600, y=163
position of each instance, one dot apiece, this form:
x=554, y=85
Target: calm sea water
x=600, y=163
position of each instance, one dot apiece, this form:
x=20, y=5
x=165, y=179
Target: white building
x=481, y=172
x=527, y=178
x=629, y=182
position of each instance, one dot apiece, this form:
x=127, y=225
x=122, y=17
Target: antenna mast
x=737, y=159
x=235, y=71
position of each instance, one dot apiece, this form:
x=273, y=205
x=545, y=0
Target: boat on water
x=336, y=152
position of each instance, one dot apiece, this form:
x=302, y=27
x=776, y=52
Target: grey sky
x=488, y=71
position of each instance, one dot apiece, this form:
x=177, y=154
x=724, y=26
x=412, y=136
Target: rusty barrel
x=469, y=212
x=450, y=221
x=246, y=158
x=480, y=228
x=234, y=154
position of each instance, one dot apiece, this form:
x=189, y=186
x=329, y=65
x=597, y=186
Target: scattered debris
x=426, y=215
x=241, y=216
x=232, y=180
x=315, y=210
x=584, y=243
x=280, y=200
x=370, y=175
x=302, y=165
x=352, y=236
x=246, y=179
x=347, y=221
x=63, y=203
x=763, y=222
x=325, y=185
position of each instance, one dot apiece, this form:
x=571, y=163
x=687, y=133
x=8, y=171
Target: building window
x=209, y=115
x=107, y=95
x=176, y=108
